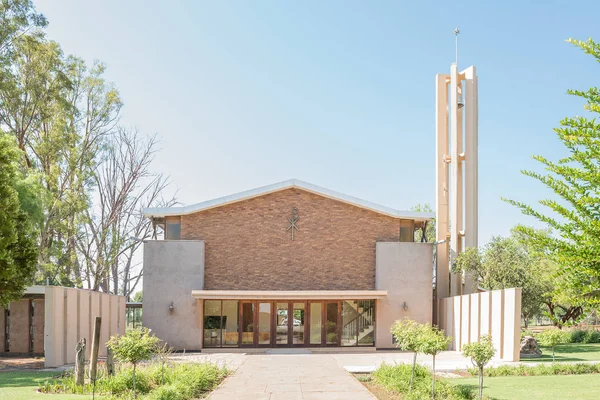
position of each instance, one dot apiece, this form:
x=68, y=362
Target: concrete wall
x=70, y=315
x=466, y=318
x=405, y=270
x=172, y=269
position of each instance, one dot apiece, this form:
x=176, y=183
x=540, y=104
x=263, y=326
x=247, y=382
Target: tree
x=431, y=342
x=574, y=212
x=552, y=338
x=506, y=263
x=113, y=231
x=17, y=18
x=134, y=346
x=425, y=233
x=408, y=338
x=138, y=297
x=480, y=353
x=19, y=215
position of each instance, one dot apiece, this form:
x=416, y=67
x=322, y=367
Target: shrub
x=182, y=382
x=577, y=336
x=584, y=336
x=122, y=382
x=592, y=336
x=541, y=369
x=396, y=378
x=134, y=346
x=167, y=392
x=552, y=338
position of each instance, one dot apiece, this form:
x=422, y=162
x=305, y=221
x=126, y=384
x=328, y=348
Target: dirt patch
x=378, y=391
x=21, y=363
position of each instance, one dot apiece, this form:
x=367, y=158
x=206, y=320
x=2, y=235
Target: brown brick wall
x=19, y=326
x=248, y=248
x=38, y=325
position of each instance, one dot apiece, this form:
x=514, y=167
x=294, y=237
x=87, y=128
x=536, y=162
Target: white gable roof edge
x=291, y=183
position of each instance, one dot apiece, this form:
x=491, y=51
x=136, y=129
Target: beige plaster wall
x=405, y=270
x=466, y=318
x=69, y=315
x=172, y=269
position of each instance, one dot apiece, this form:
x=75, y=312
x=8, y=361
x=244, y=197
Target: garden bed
x=152, y=381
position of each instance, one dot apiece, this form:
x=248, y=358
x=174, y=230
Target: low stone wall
x=466, y=318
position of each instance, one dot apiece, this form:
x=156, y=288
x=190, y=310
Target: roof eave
x=292, y=183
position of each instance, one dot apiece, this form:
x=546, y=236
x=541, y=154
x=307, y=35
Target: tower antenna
x=456, y=32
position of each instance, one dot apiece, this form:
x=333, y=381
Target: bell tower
x=456, y=175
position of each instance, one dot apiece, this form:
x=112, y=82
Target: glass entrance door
x=281, y=324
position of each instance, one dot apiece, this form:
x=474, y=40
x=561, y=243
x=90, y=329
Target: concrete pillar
x=457, y=315
x=72, y=322
x=497, y=322
x=512, y=324
x=465, y=332
x=485, y=299
x=54, y=331
x=475, y=317
x=471, y=167
x=455, y=179
x=442, y=182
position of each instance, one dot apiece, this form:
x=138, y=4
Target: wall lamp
x=404, y=306
x=171, y=307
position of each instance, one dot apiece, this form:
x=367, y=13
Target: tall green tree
x=20, y=214
x=505, y=263
x=17, y=18
x=573, y=213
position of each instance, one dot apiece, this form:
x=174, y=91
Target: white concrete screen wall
x=172, y=269
x=466, y=318
x=69, y=316
x=405, y=270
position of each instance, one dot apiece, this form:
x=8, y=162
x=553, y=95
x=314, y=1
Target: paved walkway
x=291, y=377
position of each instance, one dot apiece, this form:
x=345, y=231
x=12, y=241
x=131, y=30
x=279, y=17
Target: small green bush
x=167, y=392
x=577, y=336
x=584, y=336
x=541, y=369
x=181, y=382
x=122, y=382
x=592, y=336
x=396, y=378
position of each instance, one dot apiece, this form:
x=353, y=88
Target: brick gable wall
x=248, y=247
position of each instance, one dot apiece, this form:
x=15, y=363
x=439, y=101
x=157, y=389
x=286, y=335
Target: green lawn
x=22, y=385
x=581, y=387
x=570, y=352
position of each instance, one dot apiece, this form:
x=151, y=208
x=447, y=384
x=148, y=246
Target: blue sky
x=337, y=93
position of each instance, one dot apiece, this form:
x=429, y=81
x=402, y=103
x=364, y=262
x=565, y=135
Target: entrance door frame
x=290, y=309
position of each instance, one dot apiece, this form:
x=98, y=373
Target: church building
x=286, y=265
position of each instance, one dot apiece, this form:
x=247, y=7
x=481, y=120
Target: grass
x=569, y=352
x=581, y=387
x=23, y=385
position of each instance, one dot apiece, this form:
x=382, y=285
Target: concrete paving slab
x=290, y=377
